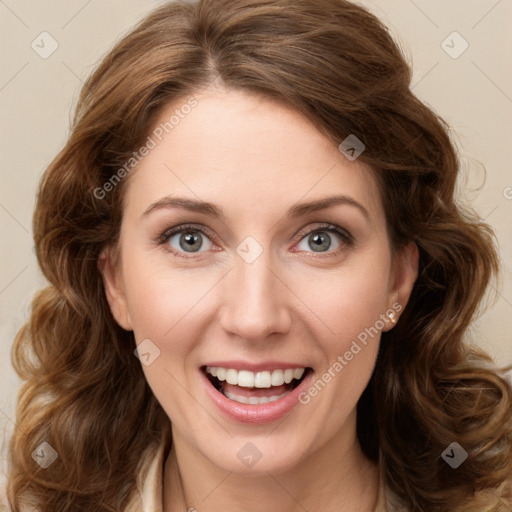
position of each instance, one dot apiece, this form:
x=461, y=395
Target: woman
x=259, y=282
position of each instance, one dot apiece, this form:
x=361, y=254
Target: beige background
x=473, y=92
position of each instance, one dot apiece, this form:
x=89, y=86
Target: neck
x=335, y=478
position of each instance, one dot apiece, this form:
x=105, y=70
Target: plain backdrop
x=460, y=53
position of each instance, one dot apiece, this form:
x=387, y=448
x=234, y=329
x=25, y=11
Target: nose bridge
x=255, y=301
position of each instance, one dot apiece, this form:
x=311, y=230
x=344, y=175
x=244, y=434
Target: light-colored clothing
x=148, y=496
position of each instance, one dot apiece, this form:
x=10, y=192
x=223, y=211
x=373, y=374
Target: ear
x=402, y=278
x=110, y=269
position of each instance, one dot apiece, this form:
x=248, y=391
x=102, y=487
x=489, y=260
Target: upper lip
x=255, y=367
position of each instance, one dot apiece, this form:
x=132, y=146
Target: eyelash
x=345, y=236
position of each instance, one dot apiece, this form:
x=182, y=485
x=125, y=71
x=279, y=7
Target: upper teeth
x=248, y=379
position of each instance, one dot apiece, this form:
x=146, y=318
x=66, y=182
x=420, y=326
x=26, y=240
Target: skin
x=256, y=159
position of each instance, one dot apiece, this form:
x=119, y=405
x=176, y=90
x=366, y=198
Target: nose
x=255, y=301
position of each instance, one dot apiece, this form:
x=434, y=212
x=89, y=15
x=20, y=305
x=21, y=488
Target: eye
x=328, y=238
x=186, y=239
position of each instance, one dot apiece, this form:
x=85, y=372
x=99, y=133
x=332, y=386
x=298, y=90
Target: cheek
x=346, y=302
x=160, y=298
x=345, y=319
x=163, y=304
x=348, y=327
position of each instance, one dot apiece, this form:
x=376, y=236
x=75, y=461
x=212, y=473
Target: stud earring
x=392, y=318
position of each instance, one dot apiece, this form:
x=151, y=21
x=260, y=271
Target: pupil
x=320, y=241
x=190, y=242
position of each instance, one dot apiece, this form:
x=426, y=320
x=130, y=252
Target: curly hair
x=336, y=63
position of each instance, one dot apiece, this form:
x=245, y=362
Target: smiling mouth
x=254, y=388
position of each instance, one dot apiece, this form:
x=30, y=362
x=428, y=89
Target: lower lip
x=258, y=413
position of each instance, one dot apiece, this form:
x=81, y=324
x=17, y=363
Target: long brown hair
x=85, y=393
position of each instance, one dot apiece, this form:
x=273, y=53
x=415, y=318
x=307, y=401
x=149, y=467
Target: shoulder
x=147, y=497
x=387, y=500
x=500, y=497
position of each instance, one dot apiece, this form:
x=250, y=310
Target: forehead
x=242, y=150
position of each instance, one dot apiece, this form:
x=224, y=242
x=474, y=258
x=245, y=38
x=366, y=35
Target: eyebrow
x=298, y=210
x=192, y=205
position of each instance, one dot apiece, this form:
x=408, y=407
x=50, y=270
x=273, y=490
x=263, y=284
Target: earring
x=392, y=318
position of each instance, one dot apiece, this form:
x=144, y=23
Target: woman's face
x=252, y=249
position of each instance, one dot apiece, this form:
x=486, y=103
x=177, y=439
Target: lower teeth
x=253, y=400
